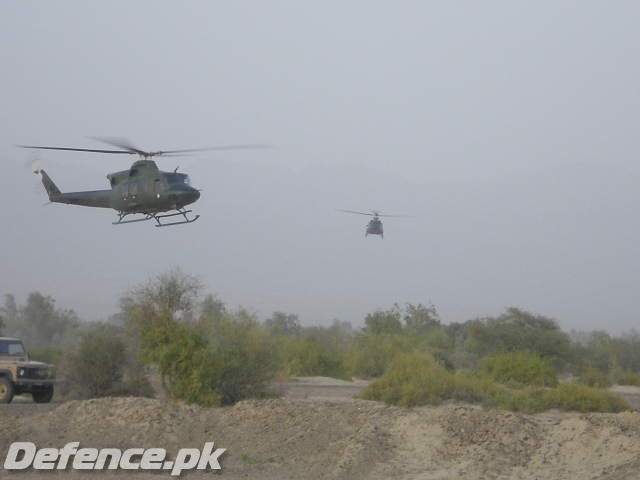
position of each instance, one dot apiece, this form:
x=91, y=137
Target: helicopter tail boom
x=97, y=198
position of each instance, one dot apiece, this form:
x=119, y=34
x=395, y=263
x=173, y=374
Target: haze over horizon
x=507, y=130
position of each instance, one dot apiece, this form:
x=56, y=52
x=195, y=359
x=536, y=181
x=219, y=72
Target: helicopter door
x=157, y=187
x=133, y=190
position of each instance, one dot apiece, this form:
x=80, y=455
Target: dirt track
x=318, y=432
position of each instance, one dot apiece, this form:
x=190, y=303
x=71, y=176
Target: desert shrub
x=518, y=368
x=435, y=338
x=216, y=358
x=181, y=356
x=244, y=360
x=235, y=361
x=629, y=378
x=566, y=397
x=49, y=354
x=412, y=379
x=100, y=365
x=593, y=377
x=309, y=356
x=473, y=389
x=461, y=359
x=370, y=355
x=418, y=379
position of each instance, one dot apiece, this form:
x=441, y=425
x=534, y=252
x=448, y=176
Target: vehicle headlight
x=21, y=372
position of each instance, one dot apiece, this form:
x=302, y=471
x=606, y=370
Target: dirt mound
x=285, y=438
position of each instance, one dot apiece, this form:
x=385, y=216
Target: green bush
x=370, y=354
x=417, y=379
x=518, y=368
x=49, y=354
x=629, y=378
x=566, y=397
x=101, y=366
x=472, y=389
x=236, y=360
x=244, y=360
x=411, y=379
x=593, y=377
x=308, y=356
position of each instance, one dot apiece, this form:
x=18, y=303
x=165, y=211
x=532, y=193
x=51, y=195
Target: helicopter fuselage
x=141, y=189
x=146, y=189
x=374, y=227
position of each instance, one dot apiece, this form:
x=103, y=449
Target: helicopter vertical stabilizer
x=49, y=186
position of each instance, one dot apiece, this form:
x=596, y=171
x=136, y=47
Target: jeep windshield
x=12, y=348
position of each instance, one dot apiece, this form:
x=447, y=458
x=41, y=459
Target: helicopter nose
x=184, y=195
x=190, y=195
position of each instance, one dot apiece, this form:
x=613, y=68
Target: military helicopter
x=142, y=189
x=374, y=227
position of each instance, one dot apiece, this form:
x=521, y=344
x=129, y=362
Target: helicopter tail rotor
x=33, y=163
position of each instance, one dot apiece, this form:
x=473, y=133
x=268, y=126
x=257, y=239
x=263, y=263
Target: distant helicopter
x=374, y=227
x=142, y=189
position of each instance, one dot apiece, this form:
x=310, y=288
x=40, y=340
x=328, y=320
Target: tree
x=221, y=358
x=212, y=308
x=518, y=330
x=9, y=314
x=174, y=293
x=383, y=321
x=282, y=323
x=419, y=318
x=40, y=323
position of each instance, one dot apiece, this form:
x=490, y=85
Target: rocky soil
x=318, y=431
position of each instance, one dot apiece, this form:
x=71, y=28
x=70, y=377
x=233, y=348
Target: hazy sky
x=508, y=129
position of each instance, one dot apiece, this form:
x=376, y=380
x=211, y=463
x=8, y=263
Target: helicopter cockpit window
x=178, y=178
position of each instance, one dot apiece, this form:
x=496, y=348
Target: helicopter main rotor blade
x=221, y=147
x=378, y=214
x=128, y=148
x=358, y=213
x=121, y=143
x=76, y=149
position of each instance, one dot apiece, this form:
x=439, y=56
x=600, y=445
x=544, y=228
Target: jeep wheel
x=6, y=390
x=44, y=396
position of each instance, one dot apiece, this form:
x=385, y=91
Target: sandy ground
x=318, y=431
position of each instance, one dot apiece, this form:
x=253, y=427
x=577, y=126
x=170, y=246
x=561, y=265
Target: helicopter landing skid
x=149, y=216
x=179, y=212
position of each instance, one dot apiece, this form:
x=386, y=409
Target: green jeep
x=19, y=374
